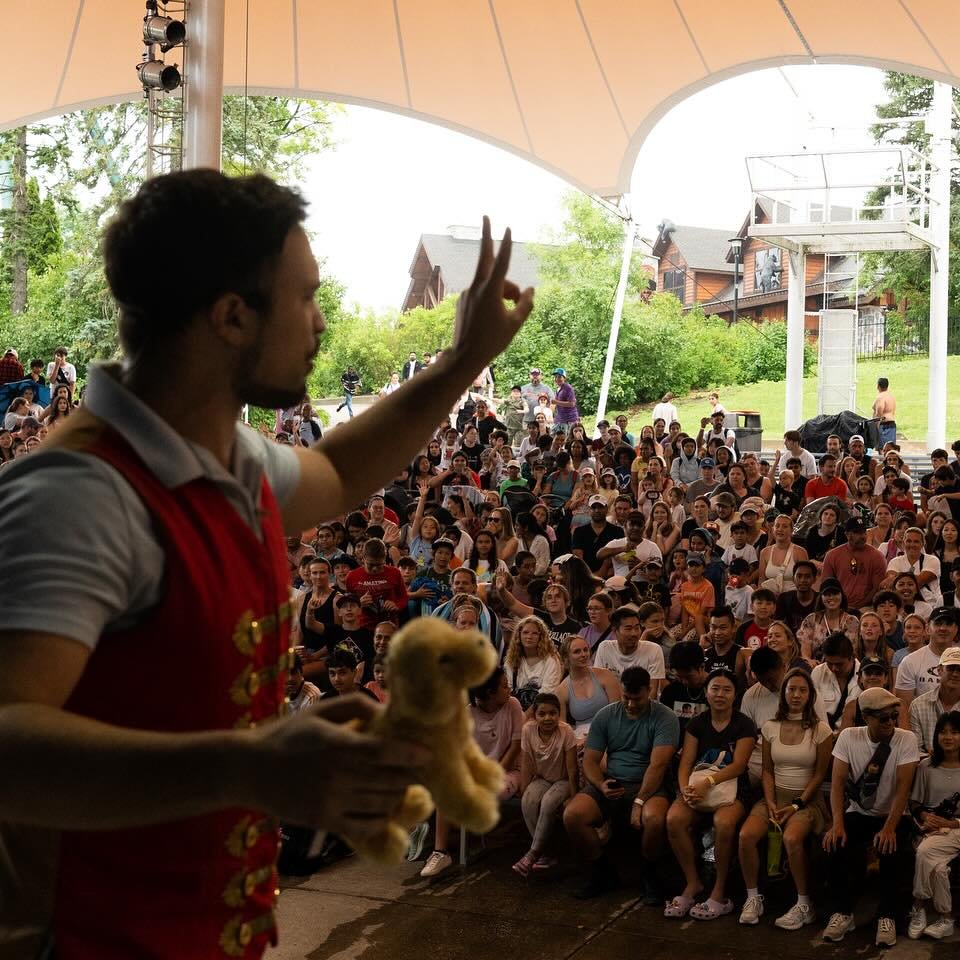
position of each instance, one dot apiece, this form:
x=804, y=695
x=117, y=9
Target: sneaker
x=839, y=925
x=886, y=932
x=941, y=928
x=544, y=864
x=916, y=922
x=437, y=862
x=418, y=837
x=799, y=915
x=752, y=910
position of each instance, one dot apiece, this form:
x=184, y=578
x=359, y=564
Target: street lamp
x=737, y=244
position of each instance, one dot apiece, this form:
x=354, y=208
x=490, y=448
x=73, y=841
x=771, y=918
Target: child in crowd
x=678, y=513
x=697, y=599
x=738, y=592
x=378, y=685
x=739, y=549
x=548, y=777
x=752, y=633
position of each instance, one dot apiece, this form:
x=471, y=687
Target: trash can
x=748, y=429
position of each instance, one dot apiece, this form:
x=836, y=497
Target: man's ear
x=234, y=321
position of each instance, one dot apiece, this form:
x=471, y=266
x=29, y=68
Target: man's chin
x=262, y=395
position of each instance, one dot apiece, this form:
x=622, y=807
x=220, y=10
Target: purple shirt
x=566, y=414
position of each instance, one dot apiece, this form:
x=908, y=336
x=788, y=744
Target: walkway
x=354, y=910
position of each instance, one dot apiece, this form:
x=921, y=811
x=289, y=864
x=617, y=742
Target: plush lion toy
x=429, y=668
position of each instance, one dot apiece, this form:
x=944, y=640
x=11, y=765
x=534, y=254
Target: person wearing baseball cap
x=706, y=482
x=565, y=412
x=11, y=369
x=873, y=771
x=590, y=537
x=513, y=480
x=925, y=709
x=872, y=672
x=859, y=567
x=919, y=672
x=531, y=394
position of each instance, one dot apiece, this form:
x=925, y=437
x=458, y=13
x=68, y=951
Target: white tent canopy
x=572, y=85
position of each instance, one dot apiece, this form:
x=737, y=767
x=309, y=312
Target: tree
x=907, y=272
x=90, y=161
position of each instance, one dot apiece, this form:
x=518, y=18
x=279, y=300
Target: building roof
x=703, y=248
x=456, y=255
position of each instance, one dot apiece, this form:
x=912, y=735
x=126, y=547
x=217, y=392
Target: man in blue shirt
x=639, y=737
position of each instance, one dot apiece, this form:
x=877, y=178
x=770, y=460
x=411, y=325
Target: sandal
x=711, y=909
x=678, y=907
x=523, y=865
x=544, y=863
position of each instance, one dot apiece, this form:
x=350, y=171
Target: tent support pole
x=629, y=233
x=796, y=307
x=939, y=264
x=204, y=84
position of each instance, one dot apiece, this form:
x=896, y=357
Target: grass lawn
x=908, y=382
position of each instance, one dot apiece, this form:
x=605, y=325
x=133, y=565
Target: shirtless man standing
x=885, y=410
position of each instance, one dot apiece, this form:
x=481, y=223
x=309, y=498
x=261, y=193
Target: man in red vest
x=145, y=612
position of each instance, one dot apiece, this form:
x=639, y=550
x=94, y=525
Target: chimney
x=462, y=232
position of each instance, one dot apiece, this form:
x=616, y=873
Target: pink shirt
x=496, y=732
x=548, y=756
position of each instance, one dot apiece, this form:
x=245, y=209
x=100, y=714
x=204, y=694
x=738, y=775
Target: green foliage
x=907, y=272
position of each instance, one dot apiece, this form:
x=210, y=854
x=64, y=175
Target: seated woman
x=782, y=640
x=829, y=616
x=548, y=777
x=586, y=689
x=554, y=614
x=872, y=638
x=497, y=728
x=936, y=792
x=483, y=560
x=908, y=589
x=532, y=663
x=777, y=559
x=796, y=757
x=598, y=628
x=721, y=738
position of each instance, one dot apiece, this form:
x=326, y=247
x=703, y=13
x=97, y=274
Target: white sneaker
x=886, y=932
x=839, y=925
x=799, y=915
x=941, y=928
x=752, y=910
x=916, y=922
x=437, y=862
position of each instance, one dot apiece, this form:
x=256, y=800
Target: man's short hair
x=228, y=231
x=827, y=457
x=342, y=658
x=375, y=548
x=521, y=556
x=723, y=612
x=838, y=645
x=764, y=660
x=883, y=383
x=472, y=574
x=792, y=435
x=762, y=593
x=634, y=679
x=687, y=655
x=885, y=596
x=626, y=612
x=809, y=564
x=443, y=544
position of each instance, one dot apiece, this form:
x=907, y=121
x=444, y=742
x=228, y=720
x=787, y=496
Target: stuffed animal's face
x=430, y=665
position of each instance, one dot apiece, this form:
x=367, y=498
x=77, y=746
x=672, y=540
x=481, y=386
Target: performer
x=145, y=606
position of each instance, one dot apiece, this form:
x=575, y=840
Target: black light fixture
x=737, y=244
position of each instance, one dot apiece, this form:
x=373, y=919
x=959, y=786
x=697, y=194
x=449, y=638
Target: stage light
x=168, y=33
x=157, y=75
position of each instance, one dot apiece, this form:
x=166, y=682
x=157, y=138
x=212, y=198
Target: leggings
x=540, y=802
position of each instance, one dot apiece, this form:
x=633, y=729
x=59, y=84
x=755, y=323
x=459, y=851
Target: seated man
x=300, y=693
x=926, y=709
x=639, y=738
x=628, y=648
x=873, y=770
x=342, y=671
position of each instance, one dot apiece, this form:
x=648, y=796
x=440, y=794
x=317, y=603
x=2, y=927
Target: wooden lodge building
x=696, y=265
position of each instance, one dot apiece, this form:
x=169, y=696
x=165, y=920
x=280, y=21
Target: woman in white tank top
x=778, y=559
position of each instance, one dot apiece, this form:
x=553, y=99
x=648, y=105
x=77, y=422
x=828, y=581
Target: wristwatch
x=799, y=803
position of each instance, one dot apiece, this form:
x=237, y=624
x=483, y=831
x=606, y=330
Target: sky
x=392, y=178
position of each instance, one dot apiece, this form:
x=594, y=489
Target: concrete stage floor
x=354, y=910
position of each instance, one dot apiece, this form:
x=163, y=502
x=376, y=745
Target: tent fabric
x=574, y=86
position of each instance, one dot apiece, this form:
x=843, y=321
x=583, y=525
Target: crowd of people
x=716, y=650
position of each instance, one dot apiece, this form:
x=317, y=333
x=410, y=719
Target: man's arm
x=660, y=758
x=65, y=771
x=340, y=469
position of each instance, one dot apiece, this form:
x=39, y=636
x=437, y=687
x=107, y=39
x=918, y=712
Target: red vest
x=213, y=655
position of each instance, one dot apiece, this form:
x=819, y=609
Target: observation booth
x=835, y=206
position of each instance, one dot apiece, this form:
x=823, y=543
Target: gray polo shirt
x=78, y=553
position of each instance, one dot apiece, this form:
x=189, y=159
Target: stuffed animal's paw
x=390, y=845
x=416, y=807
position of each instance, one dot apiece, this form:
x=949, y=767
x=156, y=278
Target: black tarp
x=814, y=433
